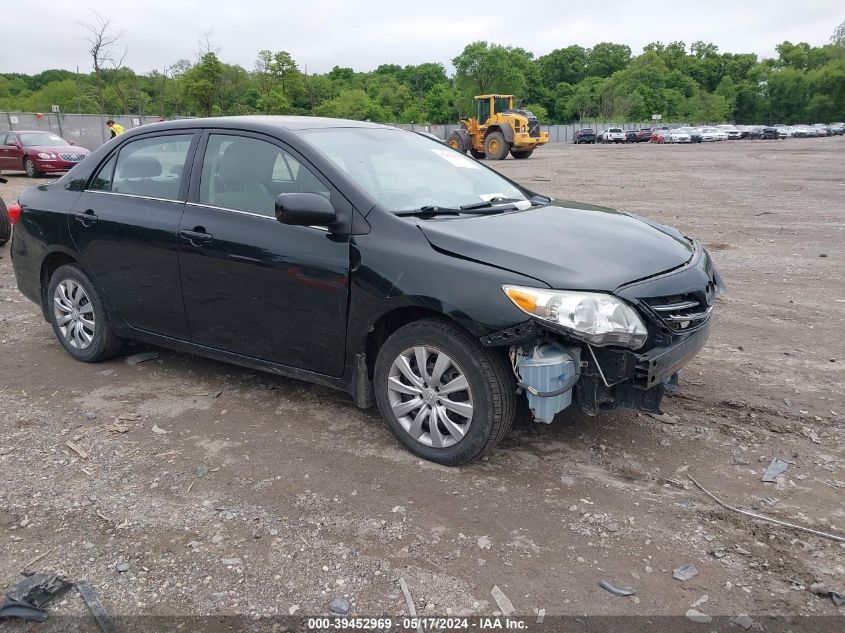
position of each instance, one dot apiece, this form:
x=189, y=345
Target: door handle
x=87, y=218
x=197, y=237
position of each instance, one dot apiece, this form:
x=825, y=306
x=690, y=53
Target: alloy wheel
x=74, y=314
x=430, y=396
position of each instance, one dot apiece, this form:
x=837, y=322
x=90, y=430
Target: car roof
x=292, y=123
x=33, y=132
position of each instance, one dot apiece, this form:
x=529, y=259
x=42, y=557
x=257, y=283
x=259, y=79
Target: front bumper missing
x=616, y=377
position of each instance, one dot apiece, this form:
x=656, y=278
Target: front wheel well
x=388, y=323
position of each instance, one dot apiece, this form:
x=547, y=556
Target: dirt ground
x=208, y=489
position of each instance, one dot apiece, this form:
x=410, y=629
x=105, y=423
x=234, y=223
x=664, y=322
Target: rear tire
x=456, y=142
x=481, y=381
x=521, y=154
x=495, y=147
x=29, y=168
x=5, y=223
x=78, y=316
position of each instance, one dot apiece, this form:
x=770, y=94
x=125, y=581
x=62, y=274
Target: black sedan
x=632, y=136
x=764, y=133
x=585, y=136
x=369, y=259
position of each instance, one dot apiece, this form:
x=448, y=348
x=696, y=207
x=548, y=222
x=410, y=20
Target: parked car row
x=706, y=134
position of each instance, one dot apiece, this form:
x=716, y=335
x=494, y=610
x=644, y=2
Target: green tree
x=606, y=58
x=203, y=84
x=439, y=104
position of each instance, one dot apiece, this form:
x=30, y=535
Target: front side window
x=502, y=104
x=152, y=167
x=404, y=171
x=247, y=174
x=9, y=139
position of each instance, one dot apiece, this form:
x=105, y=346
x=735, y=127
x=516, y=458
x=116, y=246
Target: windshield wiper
x=484, y=204
x=428, y=212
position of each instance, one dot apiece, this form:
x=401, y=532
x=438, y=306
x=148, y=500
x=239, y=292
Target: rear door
x=252, y=285
x=125, y=226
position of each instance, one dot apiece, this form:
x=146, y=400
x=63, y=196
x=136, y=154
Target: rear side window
x=150, y=167
x=247, y=174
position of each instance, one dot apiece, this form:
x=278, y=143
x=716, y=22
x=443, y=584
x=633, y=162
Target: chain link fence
x=90, y=131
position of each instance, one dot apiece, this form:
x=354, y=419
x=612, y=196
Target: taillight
x=14, y=213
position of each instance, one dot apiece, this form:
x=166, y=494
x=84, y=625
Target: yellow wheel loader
x=498, y=129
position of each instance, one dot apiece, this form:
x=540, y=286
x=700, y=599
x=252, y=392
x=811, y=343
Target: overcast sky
x=365, y=33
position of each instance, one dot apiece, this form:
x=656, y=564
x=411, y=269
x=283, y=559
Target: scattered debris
x=821, y=590
x=666, y=418
x=743, y=621
x=117, y=428
x=622, y=592
x=412, y=610
x=293, y=609
x=36, y=559
x=505, y=605
x=698, y=616
x=409, y=602
x=484, y=542
x=27, y=600
x=159, y=431
x=202, y=471
x=96, y=607
x=776, y=468
x=811, y=435
x=76, y=448
x=141, y=357
x=700, y=601
x=541, y=615
x=685, y=572
x=231, y=562
x=340, y=606
x=121, y=567
x=760, y=517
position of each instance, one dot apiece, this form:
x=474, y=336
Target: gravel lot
x=208, y=489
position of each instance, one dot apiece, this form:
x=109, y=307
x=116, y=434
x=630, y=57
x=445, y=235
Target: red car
x=657, y=136
x=38, y=152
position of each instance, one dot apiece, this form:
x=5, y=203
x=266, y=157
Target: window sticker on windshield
x=456, y=159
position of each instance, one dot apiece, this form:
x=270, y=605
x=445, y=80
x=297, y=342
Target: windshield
x=42, y=139
x=404, y=171
x=615, y=129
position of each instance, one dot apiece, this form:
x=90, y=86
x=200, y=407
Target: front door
x=252, y=285
x=11, y=156
x=125, y=226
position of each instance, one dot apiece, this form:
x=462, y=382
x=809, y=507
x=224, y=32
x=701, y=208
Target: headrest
x=139, y=167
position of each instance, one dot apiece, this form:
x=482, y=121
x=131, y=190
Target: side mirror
x=305, y=209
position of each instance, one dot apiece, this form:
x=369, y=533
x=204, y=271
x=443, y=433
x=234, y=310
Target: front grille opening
x=680, y=313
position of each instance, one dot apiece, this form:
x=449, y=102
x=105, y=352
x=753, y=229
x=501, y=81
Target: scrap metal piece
x=27, y=600
x=97, y=610
x=622, y=592
x=776, y=468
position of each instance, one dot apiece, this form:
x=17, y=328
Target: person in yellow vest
x=116, y=128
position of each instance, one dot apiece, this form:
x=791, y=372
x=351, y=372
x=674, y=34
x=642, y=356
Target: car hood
x=565, y=245
x=58, y=149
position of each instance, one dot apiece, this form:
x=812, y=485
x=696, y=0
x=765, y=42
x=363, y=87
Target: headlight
x=599, y=319
x=46, y=155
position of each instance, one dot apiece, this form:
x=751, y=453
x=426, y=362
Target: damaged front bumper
x=607, y=378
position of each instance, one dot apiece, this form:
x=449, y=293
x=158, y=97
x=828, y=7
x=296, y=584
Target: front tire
x=29, y=168
x=444, y=396
x=495, y=147
x=78, y=316
x=456, y=142
x=5, y=224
